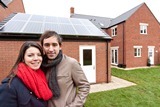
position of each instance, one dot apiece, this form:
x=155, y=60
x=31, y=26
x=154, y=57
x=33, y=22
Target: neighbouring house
x=135, y=34
x=10, y=6
x=7, y=7
x=81, y=40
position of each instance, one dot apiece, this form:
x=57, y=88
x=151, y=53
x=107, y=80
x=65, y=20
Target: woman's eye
x=30, y=55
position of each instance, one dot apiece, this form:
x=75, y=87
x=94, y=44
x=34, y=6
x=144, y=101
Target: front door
x=151, y=54
x=87, y=61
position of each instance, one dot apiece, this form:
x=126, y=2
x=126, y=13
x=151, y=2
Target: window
x=87, y=57
x=143, y=28
x=137, y=51
x=114, y=31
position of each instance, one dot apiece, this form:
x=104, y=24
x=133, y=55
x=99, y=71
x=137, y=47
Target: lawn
x=145, y=94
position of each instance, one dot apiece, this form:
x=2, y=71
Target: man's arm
x=82, y=84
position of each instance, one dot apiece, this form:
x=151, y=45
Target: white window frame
x=151, y=54
x=114, y=31
x=137, y=51
x=143, y=28
x=114, y=49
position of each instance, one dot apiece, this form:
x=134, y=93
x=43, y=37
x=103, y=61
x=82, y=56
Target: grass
x=145, y=94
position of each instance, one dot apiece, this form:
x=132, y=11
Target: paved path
x=114, y=84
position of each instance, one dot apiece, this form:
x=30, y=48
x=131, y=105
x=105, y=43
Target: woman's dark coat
x=17, y=95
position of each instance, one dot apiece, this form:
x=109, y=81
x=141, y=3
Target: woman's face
x=33, y=58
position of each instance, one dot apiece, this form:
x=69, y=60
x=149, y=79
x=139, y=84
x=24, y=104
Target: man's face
x=51, y=47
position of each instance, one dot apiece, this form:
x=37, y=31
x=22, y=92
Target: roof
x=5, y=3
x=22, y=23
x=124, y=16
x=102, y=22
x=6, y=20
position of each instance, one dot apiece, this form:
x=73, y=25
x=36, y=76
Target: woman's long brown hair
x=20, y=57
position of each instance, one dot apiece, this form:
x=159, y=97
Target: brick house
x=10, y=6
x=7, y=49
x=81, y=40
x=135, y=34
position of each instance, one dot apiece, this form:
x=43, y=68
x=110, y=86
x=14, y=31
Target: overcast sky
x=102, y=8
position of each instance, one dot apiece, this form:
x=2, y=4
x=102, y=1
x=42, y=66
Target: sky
x=102, y=8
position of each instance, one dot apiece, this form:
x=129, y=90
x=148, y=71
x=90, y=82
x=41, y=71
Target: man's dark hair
x=48, y=34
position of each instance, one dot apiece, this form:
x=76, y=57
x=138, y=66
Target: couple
x=55, y=80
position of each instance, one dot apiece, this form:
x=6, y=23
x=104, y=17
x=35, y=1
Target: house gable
x=129, y=35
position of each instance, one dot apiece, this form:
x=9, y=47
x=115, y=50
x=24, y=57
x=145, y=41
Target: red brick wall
x=118, y=41
x=14, y=7
x=72, y=49
x=8, y=55
x=9, y=52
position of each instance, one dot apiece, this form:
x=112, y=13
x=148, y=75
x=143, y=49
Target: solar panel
x=81, y=30
x=63, y=20
x=50, y=26
x=75, y=21
x=50, y=19
x=37, y=18
x=28, y=23
x=86, y=22
x=13, y=26
x=21, y=16
x=93, y=30
x=66, y=29
x=33, y=27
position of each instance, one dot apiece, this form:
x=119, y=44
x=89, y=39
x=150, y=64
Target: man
x=66, y=78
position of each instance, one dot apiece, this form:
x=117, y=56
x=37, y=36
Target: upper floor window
x=137, y=51
x=143, y=28
x=114, y=31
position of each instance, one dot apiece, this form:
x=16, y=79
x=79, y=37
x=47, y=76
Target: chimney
x=71, y=11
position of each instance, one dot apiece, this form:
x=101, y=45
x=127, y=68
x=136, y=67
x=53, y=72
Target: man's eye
x=54, y=44
x=46, y=45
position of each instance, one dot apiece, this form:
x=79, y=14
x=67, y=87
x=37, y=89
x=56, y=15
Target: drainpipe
x=123, y=45
x=107, y=62
x=108, y=71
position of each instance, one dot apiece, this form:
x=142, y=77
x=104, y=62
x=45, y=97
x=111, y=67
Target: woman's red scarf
x=35, y=81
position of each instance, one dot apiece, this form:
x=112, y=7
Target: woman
x=26, y=85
